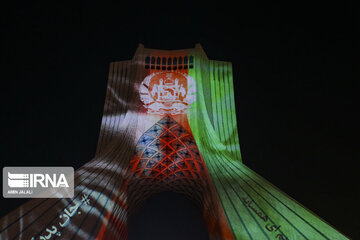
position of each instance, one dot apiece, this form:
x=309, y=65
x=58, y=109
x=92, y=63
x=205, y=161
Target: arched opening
x=168, y=215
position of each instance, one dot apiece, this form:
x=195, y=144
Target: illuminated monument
x=169, y=124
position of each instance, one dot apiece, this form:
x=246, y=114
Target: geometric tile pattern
x=166, y=153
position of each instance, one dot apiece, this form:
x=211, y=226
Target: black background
x=296, y=74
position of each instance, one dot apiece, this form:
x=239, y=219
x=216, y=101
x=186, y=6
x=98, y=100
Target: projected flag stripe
x=234, y=181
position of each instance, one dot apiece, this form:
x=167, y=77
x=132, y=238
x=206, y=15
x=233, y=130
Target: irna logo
x=38, y=182
x=19, y=180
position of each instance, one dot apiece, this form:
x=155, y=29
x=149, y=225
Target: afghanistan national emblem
x=168, y=92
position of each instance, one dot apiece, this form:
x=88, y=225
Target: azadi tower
x=169, y=124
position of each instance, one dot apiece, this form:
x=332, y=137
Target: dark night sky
x=296, y=73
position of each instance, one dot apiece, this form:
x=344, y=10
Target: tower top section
x=197, y=50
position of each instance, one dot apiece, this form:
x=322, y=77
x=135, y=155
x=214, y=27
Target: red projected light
x=167, y=152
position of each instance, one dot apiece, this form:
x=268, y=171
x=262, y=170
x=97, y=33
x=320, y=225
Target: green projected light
x=255, y=209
